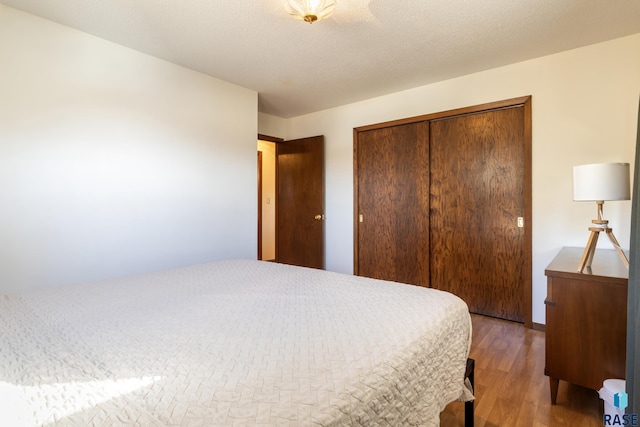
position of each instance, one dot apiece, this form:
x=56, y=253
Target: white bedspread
x=232, y=343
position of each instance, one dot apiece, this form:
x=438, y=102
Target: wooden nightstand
x=586, y=319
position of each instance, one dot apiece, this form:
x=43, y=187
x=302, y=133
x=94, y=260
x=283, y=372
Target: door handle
x=319, y=217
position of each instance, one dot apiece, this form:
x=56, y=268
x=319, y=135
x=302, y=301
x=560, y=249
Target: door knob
x=319, y=217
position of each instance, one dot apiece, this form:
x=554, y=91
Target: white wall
x=272, y=126
x=584, y=109
x=113, y=162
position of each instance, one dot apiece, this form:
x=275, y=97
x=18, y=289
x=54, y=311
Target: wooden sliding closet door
x=478, y=245
x=392, y=203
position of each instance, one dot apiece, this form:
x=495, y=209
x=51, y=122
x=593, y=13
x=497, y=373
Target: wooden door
x=478, y=246
x=300, y=202
x=392, y=203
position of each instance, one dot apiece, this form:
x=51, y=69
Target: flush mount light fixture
x=310, y=10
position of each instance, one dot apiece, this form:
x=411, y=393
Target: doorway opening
x=266, y=200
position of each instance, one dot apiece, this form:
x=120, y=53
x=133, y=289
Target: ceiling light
x=310, y=10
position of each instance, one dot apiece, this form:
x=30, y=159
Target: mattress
x=232, y=343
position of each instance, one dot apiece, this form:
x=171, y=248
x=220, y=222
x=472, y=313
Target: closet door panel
x=392, y=203
x=477, y=195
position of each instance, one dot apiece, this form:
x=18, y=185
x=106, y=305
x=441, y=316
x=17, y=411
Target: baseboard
x=538, y=326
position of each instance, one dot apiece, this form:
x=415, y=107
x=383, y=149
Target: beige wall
x=272, y=126
x=268, y=150
x=113, y=162
x=111, y=170
x=584, y=107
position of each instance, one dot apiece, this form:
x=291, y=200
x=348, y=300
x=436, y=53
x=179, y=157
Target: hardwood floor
x=510, y=386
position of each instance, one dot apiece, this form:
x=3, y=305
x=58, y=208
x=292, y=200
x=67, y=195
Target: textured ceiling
x=365, y=49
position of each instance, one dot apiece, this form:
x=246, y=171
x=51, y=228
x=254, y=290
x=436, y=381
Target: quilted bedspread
x=232, y=343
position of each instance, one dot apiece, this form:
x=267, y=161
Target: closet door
x=392, y=203
x=478, y=245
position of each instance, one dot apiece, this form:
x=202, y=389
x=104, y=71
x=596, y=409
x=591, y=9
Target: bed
x=232, y=343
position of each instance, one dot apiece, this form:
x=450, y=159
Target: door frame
x=259, y=205
x=275, y=140
x=523, y=101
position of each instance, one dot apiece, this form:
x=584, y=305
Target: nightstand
x=586, y=319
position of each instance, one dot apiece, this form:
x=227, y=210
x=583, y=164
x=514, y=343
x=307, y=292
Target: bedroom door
x=300, y=202
x=478, y=244
x=392, y=203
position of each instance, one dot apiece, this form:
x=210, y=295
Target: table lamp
x=598, y=183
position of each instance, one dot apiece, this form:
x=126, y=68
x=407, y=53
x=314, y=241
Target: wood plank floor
x=511, y=388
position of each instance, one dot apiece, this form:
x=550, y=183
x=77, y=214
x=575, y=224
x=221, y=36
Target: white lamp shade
x=601, y=181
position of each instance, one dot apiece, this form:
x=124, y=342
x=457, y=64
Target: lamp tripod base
x=590, y=250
